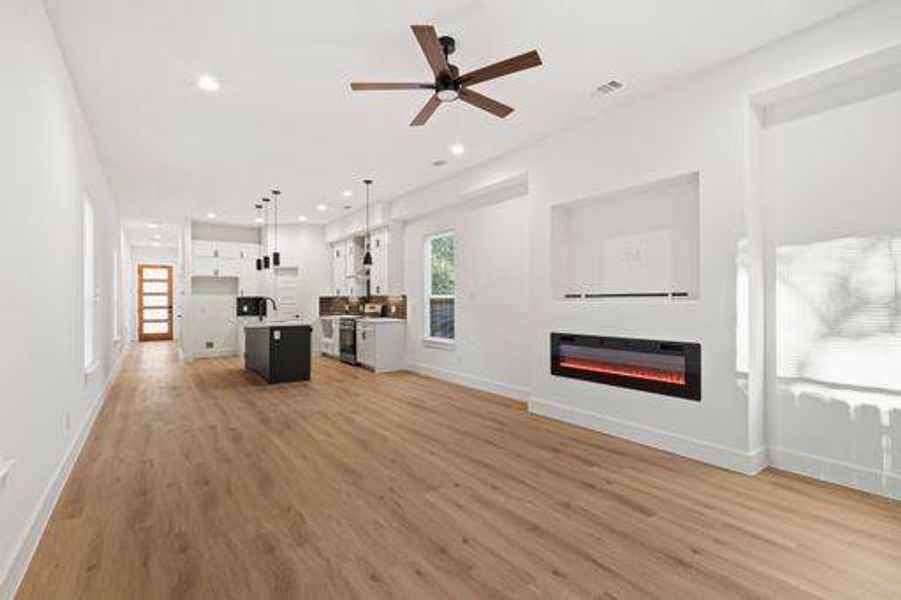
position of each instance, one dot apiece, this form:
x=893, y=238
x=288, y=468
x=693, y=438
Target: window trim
x=89, y=285
x=429, y=340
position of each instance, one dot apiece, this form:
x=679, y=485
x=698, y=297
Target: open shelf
x=641, y=242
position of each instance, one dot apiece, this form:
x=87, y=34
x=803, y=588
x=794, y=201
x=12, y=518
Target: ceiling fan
x=449, y=85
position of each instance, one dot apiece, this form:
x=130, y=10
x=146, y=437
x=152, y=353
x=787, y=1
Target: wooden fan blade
x=428, y=41
x=426, y=113
x=499, y=69
x=366, y=87
x=496, y=108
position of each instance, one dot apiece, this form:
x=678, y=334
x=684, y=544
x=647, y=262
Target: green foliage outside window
x=443, y=272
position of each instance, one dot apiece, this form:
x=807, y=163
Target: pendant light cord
x=276, y=194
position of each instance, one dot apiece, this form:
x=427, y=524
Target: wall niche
x=639, y=242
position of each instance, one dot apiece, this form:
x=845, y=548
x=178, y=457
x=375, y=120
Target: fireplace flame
x=647, y=373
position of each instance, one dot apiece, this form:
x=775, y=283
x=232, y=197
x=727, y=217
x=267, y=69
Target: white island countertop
x=268, y=324
x=380, y=320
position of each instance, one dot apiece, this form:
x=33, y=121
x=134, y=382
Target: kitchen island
x=278, y=351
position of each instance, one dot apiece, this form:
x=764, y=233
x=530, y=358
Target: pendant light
x=276, y=256
x=259, y=208
x=367, y=258
x=266, y=263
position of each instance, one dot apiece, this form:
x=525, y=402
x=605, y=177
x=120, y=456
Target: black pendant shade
x=259, y=261
x=276, y=256
x=266, y=263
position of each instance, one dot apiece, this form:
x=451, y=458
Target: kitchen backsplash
x=330, y=306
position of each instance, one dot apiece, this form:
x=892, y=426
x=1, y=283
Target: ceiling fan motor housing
x=447, y=87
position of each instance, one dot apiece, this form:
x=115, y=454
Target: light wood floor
x=199, y=481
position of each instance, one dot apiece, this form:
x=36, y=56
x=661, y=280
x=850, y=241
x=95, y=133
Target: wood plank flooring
x=200, y=481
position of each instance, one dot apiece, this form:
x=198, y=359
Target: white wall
x=492, y=304
x=706, y=125
x=48, y=164
x=832, y=192
x=305, y=246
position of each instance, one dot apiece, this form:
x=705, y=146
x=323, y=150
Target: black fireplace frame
x=690, y=390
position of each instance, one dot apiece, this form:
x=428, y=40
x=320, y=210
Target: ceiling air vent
x=439, y=163
x=608, y=88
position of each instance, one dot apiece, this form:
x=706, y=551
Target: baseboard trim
x=208, y=354
x=838, y=472
x=480, y=383
x=748, y=463
x=18, y=566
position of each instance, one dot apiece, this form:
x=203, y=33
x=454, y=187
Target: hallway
x=199, y=481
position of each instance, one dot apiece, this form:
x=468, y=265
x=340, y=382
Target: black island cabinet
x=279, y=353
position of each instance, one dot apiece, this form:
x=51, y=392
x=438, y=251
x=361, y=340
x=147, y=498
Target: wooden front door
x=154, y=302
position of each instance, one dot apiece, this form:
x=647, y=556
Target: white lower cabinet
x=380, y=344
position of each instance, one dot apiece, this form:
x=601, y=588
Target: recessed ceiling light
x=302, y=218
x=156, y=243
x=321, y=207
x=347, y=193
x=211, y=215
x=258, y=220
x=157, y=236
x=457, y=149
x=208, y=83
x=152, y=225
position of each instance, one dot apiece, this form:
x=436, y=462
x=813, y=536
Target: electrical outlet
x=209, y=345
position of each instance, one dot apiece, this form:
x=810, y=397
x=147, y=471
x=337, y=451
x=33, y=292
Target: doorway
x=154, y=303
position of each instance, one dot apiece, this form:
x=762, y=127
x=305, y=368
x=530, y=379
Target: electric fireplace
x=661, y=367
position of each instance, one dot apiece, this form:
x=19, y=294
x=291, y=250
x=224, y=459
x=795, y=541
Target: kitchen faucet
x=261, y=306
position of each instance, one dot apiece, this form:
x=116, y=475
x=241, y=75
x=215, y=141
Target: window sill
x=89, y=369
x=439, y=343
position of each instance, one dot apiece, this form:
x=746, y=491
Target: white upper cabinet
x=378, y=273
x=249, y=251
x=339, y=269
x=217, y=259
x=204, y=248
x=230, y=250
x=205, y=266
x=348, y=273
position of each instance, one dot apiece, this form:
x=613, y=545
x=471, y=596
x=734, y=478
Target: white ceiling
x=285, y=115
x=151, y=232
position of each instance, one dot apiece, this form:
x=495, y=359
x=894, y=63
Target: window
x=440, y=287
x=116, y=324
x=89, y=285
x=838, y=318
